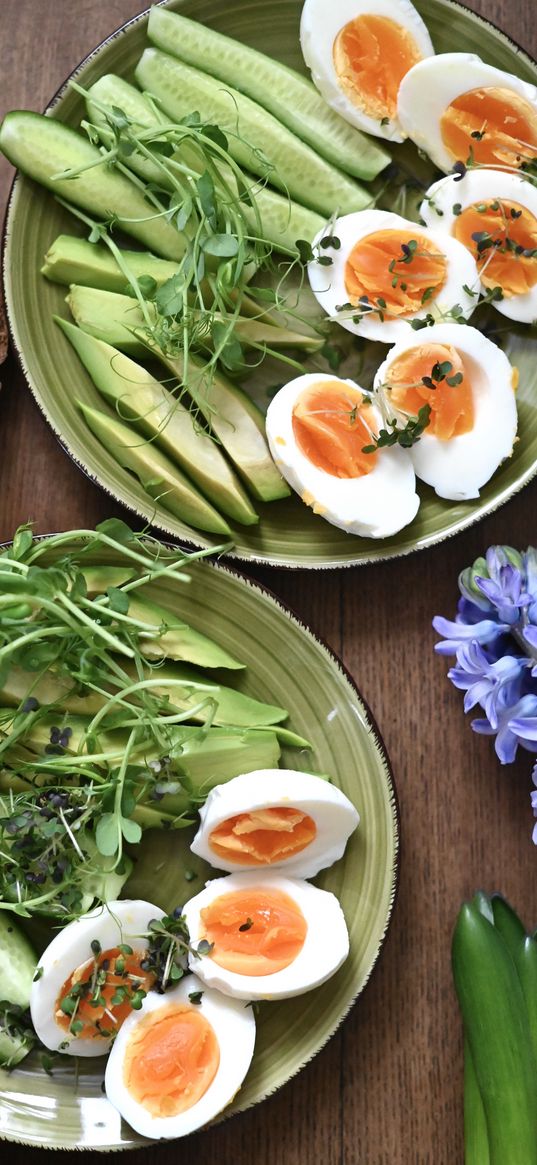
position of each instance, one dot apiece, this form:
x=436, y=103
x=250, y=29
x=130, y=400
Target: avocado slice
x=159, y=477
x=178, y=640
x=138, y=397
x=73, y=260
x=231, y=414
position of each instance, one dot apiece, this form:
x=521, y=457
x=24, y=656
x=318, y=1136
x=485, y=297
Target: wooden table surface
x=388, y=1087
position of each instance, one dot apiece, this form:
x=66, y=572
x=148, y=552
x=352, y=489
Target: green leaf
x=223, y=246
x=118, y=600
x=106, y=835
x=215, y=134
x=22, y=543
x=131, y=830
x=183, y=214
x=117, y=530
x=205, y=189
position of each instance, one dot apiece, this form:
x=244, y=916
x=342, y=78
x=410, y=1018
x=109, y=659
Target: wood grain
x=388, y=1087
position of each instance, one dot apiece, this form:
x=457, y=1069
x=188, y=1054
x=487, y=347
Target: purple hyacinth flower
x=506, y=592
x=534, y=802
x=510, y=730
x=495, y=685
x=457, y=634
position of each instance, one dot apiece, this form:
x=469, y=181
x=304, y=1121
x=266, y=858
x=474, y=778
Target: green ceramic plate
x=288, y=534
x=286, y=665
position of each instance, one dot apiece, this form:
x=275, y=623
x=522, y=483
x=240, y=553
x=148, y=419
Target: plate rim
x=241, y=556
x=372, y=728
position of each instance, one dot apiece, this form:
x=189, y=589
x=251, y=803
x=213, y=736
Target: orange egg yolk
x=255, y=932
x=371, y=56
x=263, y=836
x=498, y=233
x=504, y=122
x=98, y=994
x=331, y=426
x=404, y=272
x=452, y=409
x=171, y=1059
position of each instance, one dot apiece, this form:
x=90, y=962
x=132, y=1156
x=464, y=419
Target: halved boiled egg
x=468, y=383
x=454, y=106
x=180, y=1060
x=275, y=818
x=318, y=427
x=270, y=937
x=386, y=271
x=90, y=978
x=358, y=52
x=494, y=214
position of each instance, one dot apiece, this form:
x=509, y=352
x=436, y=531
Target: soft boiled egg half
x=180, y=1060
x=494, y=214
x=469, y=384
x=90, y=977
x=455, y=106
x=358, y=51
x=317, y=428
x=270, y=937
x=275, y=818
x=386, y=271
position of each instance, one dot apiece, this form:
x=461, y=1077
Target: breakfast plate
x=288, y=666
x=288, y=533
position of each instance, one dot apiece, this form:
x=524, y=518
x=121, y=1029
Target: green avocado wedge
x=136, y=396
x=177, y=640
x=44, y=148
x=73, y=260
x=158, y=475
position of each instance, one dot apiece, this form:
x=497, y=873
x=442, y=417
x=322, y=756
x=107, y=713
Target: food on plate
x=138, y=397
x=179, y=1061
x=375, y=273
x=290, y=97
x=257, y=140
x=277, y=818
x=17, y=969
x=358, y=52
x=91, y=976
x=457, y=108
x=468, y=384
x=318, y=428
x=494, y=214
x=269, y=936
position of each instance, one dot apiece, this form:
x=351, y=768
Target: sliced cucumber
x=16, y=1039
x=72, y=260
x=283, y=221
x=254, y=135
x=42, y=147
x=17, y=962
x=138, y=397
x=290, y=97
x=159, y=476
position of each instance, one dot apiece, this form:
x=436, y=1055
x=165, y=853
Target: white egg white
x=334, y=815
x=325, y=948
x=483, y=186
x=111, y=925
x=234, y=1028
x=320, y=24
x=430, y=87
x=375, y=505
x=458, y=468
x=328, y=283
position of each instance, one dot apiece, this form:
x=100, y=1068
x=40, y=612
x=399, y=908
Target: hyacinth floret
x=494, y=640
